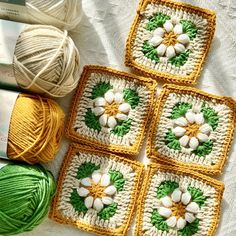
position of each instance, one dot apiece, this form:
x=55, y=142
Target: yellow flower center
x=178, y=210
x=192, y=130
x=96, y=191
x=112, y=109
x=169, y=39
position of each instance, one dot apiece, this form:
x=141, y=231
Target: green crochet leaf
x=86, y=169
x=158, y=221
x=190, y=229
x=204, y=148
x=92, y=121
x=150, y=52
x=100, y=89
x=210, y=116
x=197, y=196
x=180, y=59
x=165, y=188
x=77, y=202
x=117, y=179
x=108, y=211
x=180, y=109
x=156, y=21
x=131, y=96
x=171, y=141
x=189, y=28
x=122, y=128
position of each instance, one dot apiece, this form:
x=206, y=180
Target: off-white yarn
x=46, y=60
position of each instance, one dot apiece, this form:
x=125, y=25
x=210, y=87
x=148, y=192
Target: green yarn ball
x=25, y=195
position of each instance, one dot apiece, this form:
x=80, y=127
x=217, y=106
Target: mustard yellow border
x=166, y=77
x=155, y=156
x=153, y=168
x=56, y=215
x=81, y=138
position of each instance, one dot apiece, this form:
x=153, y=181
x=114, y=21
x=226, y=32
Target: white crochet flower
x=192, y=129
x=97, y=190
x=170, y=40
x=178, y=209
x=111, y=108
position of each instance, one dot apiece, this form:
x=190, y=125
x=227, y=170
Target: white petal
x=190, y=116
x=186, y=197
x=97, y=204
x=178, y=29
x=121, y=116
x=125, y=107
x=165, y=212
x=105, y=180
x=96, y=177
x=88, y=201
x=181, y=121
x=118, y=98
x=171, y=222
x=196, y=108
x=98, y=111
x=179, y=47
x=161, y=49
x=176, y=195
x=103, y=119
x=107, y=200
x=193, y=207
x=168, y=26
x=166, y=201
x=155, y=41
x=193, y=143
x=111, y=122
x=183, y=38
x=111, y=190
x=179, y=131
x=158, y=32
x=189, y=217
x=199, y=119
x=170, y=52
x=205, y=129
x=83, y=192
x=184, y=140
x=86, y=182
x=109, y=96
x=99, y=102
x=202, y=137
x=181, y=223
x=175, y=20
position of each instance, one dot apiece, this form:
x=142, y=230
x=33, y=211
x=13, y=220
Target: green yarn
x=77, y=202
x=158, y=221
x=100, y=89
x=189, y=28
x=180, y=59
x=86, y=169
x=117, y=179
x=150, y=52
x=108, y=211
x=180, y=109
x=165, y=188
x=197, y=196
x=171, y=141
x=190, y=229
x=92, y=121
x=210, y=116
x=157, y=21
x=204, y=148
x=25, y=195
x=122, y=128
x=131, y=96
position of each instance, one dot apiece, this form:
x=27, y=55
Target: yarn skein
x=36, y=129
x=25, y=195
x=46, y=61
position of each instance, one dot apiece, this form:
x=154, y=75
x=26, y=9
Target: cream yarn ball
x=46, y=61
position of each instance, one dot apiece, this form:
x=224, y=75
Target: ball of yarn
x=36, y=129
x=25, y=195
x=46, y=60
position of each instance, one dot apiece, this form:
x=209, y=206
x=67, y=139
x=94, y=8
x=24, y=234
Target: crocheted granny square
x=170, y=40
x=96, y=191
x=111, y=109
x=192, y=129
x=177, y=201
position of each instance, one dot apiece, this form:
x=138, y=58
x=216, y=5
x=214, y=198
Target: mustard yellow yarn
x=36, y=129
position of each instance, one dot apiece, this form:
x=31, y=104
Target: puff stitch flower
x=170, y=40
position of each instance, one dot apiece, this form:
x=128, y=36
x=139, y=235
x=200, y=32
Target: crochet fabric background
x=101, y=39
